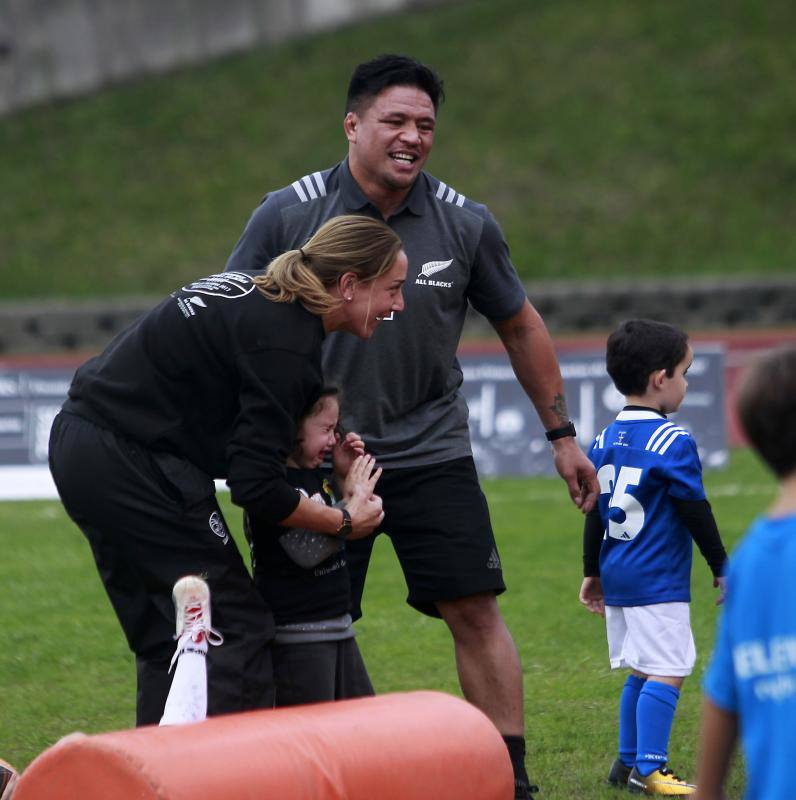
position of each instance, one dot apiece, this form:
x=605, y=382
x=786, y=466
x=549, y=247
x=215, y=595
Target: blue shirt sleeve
x=684, y=470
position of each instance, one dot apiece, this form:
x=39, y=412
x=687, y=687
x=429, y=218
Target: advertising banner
x=507, y=436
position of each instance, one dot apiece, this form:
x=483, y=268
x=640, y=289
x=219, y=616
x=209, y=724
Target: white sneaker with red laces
x=191, y=596
x=187, y=700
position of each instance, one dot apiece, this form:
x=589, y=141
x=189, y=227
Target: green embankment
x=610, y=139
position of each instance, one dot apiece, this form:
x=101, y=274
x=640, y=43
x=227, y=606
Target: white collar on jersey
x=637, y=414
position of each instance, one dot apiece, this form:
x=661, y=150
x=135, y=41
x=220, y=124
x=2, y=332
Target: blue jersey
x=642, y=462
x=753, y=669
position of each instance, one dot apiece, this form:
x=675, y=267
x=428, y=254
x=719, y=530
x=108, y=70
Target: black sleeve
x=495, y=290
x=275, y=387
x=697, y=516
x=593, y=532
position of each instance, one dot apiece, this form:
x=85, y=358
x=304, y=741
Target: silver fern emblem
x=431, y=267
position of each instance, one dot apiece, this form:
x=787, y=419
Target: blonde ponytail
x=288, y=278
x=362, y=245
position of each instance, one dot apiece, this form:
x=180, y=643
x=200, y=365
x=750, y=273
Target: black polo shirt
x=401, y=388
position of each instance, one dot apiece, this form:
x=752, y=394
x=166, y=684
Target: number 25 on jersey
x=622, y=526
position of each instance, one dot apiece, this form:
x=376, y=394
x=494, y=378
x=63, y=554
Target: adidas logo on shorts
x=493, y=562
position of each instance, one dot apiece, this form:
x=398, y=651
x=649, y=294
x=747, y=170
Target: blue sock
x=657, y=703
x=627, y=719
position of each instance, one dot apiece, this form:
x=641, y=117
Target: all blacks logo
x=217, y=526
x=230, y=285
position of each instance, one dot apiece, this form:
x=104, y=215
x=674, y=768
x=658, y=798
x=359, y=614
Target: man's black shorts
x=438, y=520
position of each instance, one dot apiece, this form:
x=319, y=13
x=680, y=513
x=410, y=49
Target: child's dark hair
x=315, y=406
x=372, y=77
x=326, y=391
x=766, y=403
x=639, y=347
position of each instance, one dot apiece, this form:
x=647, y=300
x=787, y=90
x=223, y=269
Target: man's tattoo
x=559, y=408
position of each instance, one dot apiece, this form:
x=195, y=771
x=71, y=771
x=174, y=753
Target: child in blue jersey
x=637, y=546
x=750, y=686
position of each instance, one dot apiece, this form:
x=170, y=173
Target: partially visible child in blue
x=303, y=575
x=750, y=685
x=637, y=546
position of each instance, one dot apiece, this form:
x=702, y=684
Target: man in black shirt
x=404, y=390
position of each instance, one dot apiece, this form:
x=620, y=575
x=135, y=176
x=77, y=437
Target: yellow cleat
x=661, y=781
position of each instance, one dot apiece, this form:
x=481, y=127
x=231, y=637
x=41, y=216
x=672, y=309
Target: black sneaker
x=8, y=779
x=619, y=774
x=523, y=790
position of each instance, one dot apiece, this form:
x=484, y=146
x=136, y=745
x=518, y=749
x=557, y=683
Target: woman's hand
x=343, y=456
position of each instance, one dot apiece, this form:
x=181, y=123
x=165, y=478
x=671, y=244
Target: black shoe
x=8, y=779
x=619, y=774
x=523, y=790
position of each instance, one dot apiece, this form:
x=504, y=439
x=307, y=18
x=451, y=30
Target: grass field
x=64, y=665
x=610, y=139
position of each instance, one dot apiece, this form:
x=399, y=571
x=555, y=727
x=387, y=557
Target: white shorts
x=653, y=640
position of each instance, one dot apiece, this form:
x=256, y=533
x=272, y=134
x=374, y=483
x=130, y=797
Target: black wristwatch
x=345, y=526
x=560, y=433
